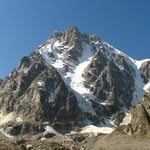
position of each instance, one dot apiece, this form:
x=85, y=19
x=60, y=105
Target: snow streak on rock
x=139, y=84
x=73, y=77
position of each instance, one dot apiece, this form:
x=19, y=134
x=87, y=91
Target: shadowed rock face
x=145, y=71
x=1, y=81
x=110, y=83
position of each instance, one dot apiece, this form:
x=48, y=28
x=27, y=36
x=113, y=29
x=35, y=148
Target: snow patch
x=19, y=119
x=6, y=118
x=40, y=83
x=49, y=129
x=147, y=87
x=29, y=146
x=9, y=117
x=96, y=130
x=140, y=62
x=127, y=119
x=26, y=70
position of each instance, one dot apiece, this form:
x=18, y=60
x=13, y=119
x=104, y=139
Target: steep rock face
x=18, y=82
x=140, y=118
x=50, y=99
x=73, y=39
x=145, y=71
x=34, y=92
x=109, y=77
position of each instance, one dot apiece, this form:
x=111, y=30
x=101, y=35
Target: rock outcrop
x=145, y=71
x=140, y=118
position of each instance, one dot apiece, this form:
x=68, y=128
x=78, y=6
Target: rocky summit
x=75, y=83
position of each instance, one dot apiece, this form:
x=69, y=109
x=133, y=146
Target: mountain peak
x=73, y=37
x=73, y=29
x=73, y=78
x=67, y=46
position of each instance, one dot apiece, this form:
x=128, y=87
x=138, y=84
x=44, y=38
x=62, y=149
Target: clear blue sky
x=25, y=24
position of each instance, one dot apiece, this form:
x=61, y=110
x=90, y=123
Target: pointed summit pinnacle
x=73, y=29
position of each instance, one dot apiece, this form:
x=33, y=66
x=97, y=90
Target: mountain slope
x=71, y=81
x=96, y=72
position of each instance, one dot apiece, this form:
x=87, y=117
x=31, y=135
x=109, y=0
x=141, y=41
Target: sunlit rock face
x=145, y=71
